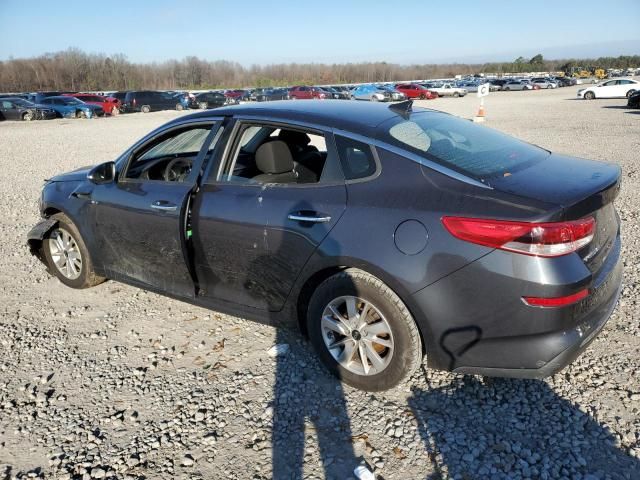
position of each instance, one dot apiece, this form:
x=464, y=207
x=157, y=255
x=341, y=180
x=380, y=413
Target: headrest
x=274, y=157
x=293, y=137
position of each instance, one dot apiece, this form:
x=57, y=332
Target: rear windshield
x=460, y=145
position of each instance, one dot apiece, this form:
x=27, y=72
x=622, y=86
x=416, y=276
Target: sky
x=326, y=31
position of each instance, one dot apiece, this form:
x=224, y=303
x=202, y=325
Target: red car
x=307, y=93
x=110, y=105
x=236, y=94
x=413, y=90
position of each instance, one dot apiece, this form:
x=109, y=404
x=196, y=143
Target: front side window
x=270, y=154
x=170, y=156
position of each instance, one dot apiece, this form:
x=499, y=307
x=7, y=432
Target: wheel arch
x=313, y=280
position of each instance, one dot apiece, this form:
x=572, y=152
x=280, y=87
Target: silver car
x=544, y=83
x=517, y=85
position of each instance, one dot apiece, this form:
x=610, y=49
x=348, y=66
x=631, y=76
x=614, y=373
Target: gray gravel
x=115, y=382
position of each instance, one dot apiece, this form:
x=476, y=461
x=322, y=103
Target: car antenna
x=402, y=108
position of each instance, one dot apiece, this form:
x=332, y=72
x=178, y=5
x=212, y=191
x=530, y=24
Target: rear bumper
x=477, y=337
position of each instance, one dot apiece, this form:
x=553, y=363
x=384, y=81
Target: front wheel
x=630, y=92
x=363, y=332
x=203, y=105
x=145, y=109
x=456, y=94
x=27, y=116
x=179, y=107
x=589, y=95
x=506, y=89
x=68, y=257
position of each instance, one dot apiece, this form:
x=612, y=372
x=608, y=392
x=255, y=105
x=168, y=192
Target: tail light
x=556, y=301
x=538, y=239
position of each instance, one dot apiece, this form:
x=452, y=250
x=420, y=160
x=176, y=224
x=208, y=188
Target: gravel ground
x=115, y=382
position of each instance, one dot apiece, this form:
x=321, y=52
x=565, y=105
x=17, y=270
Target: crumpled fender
x=37, y=234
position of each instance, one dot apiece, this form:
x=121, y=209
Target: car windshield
x=475, y=151
x=23, y=103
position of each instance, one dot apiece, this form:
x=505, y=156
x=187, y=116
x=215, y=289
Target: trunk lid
x=580, y=188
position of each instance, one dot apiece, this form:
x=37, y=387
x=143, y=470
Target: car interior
x=267, y=154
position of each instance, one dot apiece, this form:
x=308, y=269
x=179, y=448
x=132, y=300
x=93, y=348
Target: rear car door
x=8, y=110
x=254, y=231
x=140, y=221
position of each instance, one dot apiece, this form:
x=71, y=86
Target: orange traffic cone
x=480, y=116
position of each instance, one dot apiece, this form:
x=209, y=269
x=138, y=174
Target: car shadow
x=481, y=429
x=617, y=107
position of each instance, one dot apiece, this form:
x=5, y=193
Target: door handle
x=83, y=195
x=296, y=217
x=164, y=206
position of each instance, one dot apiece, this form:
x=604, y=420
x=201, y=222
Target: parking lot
x=118, y=382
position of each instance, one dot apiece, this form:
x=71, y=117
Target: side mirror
x=103, y=173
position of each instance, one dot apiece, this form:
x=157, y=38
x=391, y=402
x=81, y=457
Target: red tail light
x=556, y=301
x=538, y=239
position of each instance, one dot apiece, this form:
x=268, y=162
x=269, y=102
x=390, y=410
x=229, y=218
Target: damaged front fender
x=36, y=236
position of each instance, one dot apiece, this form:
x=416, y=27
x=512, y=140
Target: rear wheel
x=589, y=95
x=422, y=96
x=456, y=94
x=145, y=109
x=363, y=332
x=179, y=107
x=203, y=105
x=67, y=255
x=506, y=89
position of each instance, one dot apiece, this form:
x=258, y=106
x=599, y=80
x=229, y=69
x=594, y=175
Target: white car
x=446, y=89
x=544, y=83
x=614, y=88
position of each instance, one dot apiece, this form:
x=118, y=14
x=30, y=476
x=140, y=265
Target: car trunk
x=580, y=188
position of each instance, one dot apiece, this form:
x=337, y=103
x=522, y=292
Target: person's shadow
x=506, y=428
x=304, y=390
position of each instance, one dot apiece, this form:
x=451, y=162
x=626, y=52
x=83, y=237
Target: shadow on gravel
x=506, y=428
x=300, y=393
x=617, y=107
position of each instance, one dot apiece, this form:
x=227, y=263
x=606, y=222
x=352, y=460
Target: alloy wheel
x=65, y=253
x=357, y=335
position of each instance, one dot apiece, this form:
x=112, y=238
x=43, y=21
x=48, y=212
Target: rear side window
x=356, y=158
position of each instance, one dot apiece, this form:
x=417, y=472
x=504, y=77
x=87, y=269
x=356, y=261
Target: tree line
x=76, y=70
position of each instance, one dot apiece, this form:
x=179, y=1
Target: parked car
x=24, y=96
x=495, y=256
x=146, y=101
x=567, y=81
x=544, y=82
x=335, y=94
x=614, y=88
x=396, y=95
x=37, y=97
x=302, y=92
x=110, y=105
x=414, y=90
x=446, y=90
x=209, y=100
x=271, y=94
x=634, y=100
x=69, y=107
x=371, y=92
x=498, y=83
x=517, y=85
x=469, y=86
x=14, y=108
x=238, y=94
x=120, y=96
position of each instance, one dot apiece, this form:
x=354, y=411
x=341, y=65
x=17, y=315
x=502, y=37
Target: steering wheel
x=177, y=170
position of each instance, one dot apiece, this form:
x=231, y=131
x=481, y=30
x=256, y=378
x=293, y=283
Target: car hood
x=73, y=176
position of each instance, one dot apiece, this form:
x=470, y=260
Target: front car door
x=254, y=231
x=8, y=110
x=140, y=221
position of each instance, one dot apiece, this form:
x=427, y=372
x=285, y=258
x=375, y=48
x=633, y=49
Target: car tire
x=423, y=96
x=179, y=107
x=28, y=116
x=456, y=94
x=402, y=353
x=506, y=89
x=589, y=96
x=630, y=92
x=80, y=274
x=352, y=97
x=145, y=109
x=203, y=105
x=374, y=98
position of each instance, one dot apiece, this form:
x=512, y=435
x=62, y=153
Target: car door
x=8, y=110
x=253, y=237
x=139, y=221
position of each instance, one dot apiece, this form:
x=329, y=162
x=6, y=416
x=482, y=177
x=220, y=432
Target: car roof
x=357, y=117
